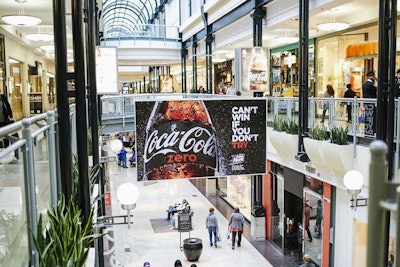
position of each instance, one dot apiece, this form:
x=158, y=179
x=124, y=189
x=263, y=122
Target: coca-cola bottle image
x=180, y=141
x=257, y=75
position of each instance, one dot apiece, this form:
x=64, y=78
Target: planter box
x=338, y=158
x=314, y=152
x=285, y=144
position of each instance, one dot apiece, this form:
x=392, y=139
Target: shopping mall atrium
x=125, y=108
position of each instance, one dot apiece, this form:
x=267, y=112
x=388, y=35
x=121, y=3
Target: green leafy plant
x=318, y=132
x=339, y=135
x=63, y=239
x=292, y=127
x=279, y=124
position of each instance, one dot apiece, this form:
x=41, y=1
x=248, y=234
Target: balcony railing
x=145, y=32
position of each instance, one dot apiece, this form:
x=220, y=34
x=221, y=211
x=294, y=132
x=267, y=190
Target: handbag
x=218, y=236
x=228, y=234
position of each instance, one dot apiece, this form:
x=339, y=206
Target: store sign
x=200, y=138
x=254, y=68
x=106, y=70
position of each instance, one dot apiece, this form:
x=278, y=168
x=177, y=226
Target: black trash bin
x=192, y=247
x=258, y=211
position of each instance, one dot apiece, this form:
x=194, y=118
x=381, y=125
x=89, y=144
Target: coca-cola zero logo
x=195, y=140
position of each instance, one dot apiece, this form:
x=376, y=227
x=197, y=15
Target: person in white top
x=231, y=90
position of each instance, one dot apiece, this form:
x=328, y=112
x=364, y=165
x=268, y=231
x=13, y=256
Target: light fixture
x=40, y=37
x=287, y=39
x=127, y=195
x=218, y=60
x=333, y=26
x=21, y=19
x=353, y=181
x=47, y=48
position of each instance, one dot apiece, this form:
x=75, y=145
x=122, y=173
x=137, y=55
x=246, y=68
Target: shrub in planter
x=63, y=239
x=291, y=127
x=279, y=124
x=339, y=135
x=318, y=132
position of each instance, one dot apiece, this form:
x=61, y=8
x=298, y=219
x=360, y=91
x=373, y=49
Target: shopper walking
x=325, y=106
x=307, y=220
x=349, y=94
x=319, y=218
x=6, y=115
x=236, y=227
x=212, y=226
x=122, y=157
x=307, y=261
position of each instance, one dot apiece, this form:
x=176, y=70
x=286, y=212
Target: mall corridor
x=151, y=239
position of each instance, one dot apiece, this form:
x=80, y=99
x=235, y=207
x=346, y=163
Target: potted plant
x=284, y=136
x=339, y=135
x=338, y=151
x=274, y=135
x=63, y=239
x=316, y=136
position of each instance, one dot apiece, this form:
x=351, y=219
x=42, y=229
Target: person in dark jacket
x=319, y=218
x=349, y=94
x=397, y=84
x=6, y=115
x=369, y=89
x=122, y=156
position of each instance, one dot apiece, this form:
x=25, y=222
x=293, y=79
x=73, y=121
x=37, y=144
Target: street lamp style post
x=128, y=194
x=384, y=197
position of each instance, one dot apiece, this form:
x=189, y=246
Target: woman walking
x=328, y=93
x=236, y=227
x=212, y=226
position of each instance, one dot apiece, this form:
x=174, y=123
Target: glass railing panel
x=13, y=223
x=42, y=173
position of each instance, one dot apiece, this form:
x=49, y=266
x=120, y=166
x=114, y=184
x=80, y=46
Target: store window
x=285, y=70
x=51, y=90
x=15, y=88
x=35, y=89
x=236, y=190
x=338, y=66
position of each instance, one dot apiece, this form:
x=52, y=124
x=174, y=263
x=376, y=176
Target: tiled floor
x=140, y=243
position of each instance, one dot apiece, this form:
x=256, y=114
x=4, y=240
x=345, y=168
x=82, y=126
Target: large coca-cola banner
x=200, y=138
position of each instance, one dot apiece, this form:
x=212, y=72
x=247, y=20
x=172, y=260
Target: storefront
x=223, y=75
x=285, y=70
x=236, y=190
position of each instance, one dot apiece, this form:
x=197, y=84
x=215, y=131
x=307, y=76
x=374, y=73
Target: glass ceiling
x=126, y=18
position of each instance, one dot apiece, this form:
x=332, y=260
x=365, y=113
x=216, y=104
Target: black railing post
x=80, y=97
x=64, y=142
x=303, y=79
x=194, y=64
x=183, y=69
x=258, y=15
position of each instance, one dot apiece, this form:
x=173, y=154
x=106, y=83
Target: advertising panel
x=253, y=63
x=166, y=84
x=200, y=138
x=106, y=70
